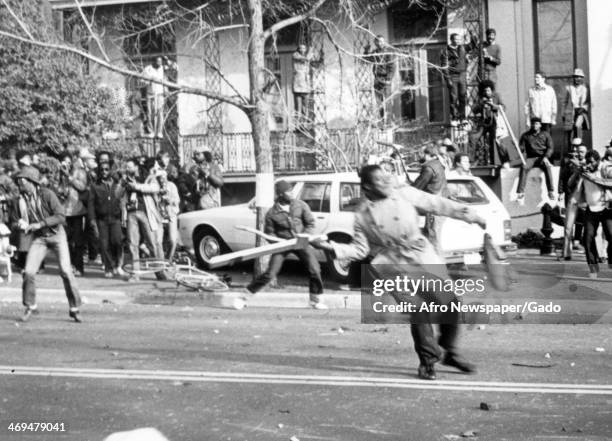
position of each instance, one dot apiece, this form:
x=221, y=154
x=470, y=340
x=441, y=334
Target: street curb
x=43, y=295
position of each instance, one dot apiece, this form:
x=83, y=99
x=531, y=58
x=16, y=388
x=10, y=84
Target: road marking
x=314, y=380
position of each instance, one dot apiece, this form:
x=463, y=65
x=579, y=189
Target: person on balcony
x=538, y=147
x=541, y=103
x=155, y=94
x=454, y=62
x=303, y=58
x=383, y=67
x=486, y=112
x=491, y=54
x=576, y=104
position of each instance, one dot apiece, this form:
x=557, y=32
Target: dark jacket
x=285, y=225
x=432, y=178
x=455, y=58
x=537, y=145
x=51, y=210
x=105, y=200
x=494, y=52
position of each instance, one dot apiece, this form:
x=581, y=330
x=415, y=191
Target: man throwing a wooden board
x=287, y=218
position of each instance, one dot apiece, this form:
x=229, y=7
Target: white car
x=332, y=198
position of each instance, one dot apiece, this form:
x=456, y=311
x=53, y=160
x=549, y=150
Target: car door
x=317, y=195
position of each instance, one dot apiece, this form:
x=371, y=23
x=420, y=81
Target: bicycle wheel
x=200, y=282
x=147, y=266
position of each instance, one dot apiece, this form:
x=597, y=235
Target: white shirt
x=541, y=103
x=155, y=74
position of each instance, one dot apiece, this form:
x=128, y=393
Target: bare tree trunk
x=258, y=116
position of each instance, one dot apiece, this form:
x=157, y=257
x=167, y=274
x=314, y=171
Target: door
x=317, y=196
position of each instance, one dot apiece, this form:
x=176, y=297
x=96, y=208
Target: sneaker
x=520, y=199
x=133, y=279
x=108, y=275
x=119, y=272
x=462, y=365
x=29, y=312
x=318, y=305
x=145, y=250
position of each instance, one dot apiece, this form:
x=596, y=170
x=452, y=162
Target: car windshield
x=467, y=192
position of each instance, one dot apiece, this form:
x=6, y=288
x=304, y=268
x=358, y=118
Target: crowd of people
x=96, y=206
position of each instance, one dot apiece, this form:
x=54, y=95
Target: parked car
x=332, y=198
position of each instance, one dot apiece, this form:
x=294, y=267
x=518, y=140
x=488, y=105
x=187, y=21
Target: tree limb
x=276, y=27
x=175, y=86
x=19, y=22
x=91, y=32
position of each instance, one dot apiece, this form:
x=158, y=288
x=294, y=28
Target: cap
x=535, y=119
x=578, y=72
x=282, y=186
x=30, y=173
x=577, y=141
x=200, y=149
x=84, y=153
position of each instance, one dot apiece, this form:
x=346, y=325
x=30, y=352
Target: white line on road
x=345, y=381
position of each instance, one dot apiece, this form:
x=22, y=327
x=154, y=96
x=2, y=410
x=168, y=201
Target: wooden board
x=298, y=243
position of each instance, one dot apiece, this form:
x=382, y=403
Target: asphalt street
x=202, y=373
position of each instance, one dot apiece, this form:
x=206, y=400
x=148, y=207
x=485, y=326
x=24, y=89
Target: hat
x=578, y=72
x=84, y=153
x=577, y=141
x=447, y=142
x=536, y=119
x=200, y=149
x=30, y=173
x=282, y=186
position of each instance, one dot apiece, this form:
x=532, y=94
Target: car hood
x=214, y=212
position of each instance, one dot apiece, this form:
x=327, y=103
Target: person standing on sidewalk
x=73, y=193
x=287, y=218
x=569, y=176
x=598, y=209
x=44, y=217
x=142, y=214
x=104, y=215
x=537, y=146
x=432, y=180
x=169, y=203
x=387, y=231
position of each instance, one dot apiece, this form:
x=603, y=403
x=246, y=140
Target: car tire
x=338, y=271
x=207, y=244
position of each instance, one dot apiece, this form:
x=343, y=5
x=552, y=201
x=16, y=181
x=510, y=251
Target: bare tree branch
x=19, y=21
x=91, y=31
x=292, y=20
x=175, y=86
x=226, y=81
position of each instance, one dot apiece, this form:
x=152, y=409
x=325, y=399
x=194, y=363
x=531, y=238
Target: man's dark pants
x=532, y=163
x=308, y=259
x=75, y=229
x=457, y=90
x=425, y=344
x=111, y=242
x=38, y=250
x=591, y=224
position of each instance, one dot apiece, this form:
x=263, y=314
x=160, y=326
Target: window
x=316, y=195
x=466, y=192
x=350, y=195
x=554, y=37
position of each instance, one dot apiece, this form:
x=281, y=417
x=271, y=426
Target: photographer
x=73, y=195
x=209, y=179
x=140, y=213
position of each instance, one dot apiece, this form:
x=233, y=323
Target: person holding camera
x=73, y=193
x=209, y=180
x=486, y=112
